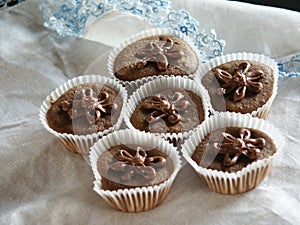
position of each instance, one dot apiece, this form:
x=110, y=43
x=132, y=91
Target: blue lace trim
x=69, y=18
x=290, y=67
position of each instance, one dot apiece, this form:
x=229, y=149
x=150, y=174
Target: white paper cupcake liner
x=263, y=111
x=130, y=85
x=153, y=87
x=245, y=179
x=140, y=198
x=81, y=143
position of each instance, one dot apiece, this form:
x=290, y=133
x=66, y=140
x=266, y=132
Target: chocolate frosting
x=165, y=107
x=85, y=104
x=234, y=147
x=241, y=81
x=158, y=53
x=137, y=164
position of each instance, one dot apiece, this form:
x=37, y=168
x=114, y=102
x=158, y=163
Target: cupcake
x=133, y=170
x=152, y=53
x=129, y=167
x=83, y=110
x=243, y=82
x=169, y=106
x=232, y=152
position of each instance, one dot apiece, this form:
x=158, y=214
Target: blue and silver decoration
x=69, y=18
x=288, y=67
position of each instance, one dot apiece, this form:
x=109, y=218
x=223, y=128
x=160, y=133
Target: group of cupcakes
x=160, y=103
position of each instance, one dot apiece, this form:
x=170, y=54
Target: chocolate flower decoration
x=158, y=53
x=89, y=106
x=165, y=107
x=234, y=147
x=137, y=164
x=240, y=82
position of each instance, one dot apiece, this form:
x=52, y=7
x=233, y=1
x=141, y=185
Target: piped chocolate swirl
x=85, y=109
x=159, y=52
x=241, y=81
x=167, y=107
x=138, y=164
x=89, y=105
x=172, y=110
x=155, y=55
x=233, y=148
x=133, y=166
x=239, y=86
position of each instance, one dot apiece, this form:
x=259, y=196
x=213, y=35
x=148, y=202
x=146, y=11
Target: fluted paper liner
x=161, y=83
x=81, y=143
x=245, y=179
x=263, y=111
x=133, y=85
x=140, y=198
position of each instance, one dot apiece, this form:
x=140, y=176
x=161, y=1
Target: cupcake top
x=171, y=110
x=155, y=55
x=85, y=109
x=231, y=149
x=133, y=166
x=239, y=86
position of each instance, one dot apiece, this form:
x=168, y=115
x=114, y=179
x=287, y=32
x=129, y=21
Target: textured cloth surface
x=42, y=183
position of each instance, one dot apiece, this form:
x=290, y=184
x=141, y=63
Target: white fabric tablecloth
x=42, y=183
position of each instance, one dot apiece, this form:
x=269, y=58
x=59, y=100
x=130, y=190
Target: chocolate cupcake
x=169, y=106
x=174, y=110
x=83, y=110
x=133, y=171
x=123, y=167
x=245, y=83
x=233, y=152
x=152, y=53
x=231, y=149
